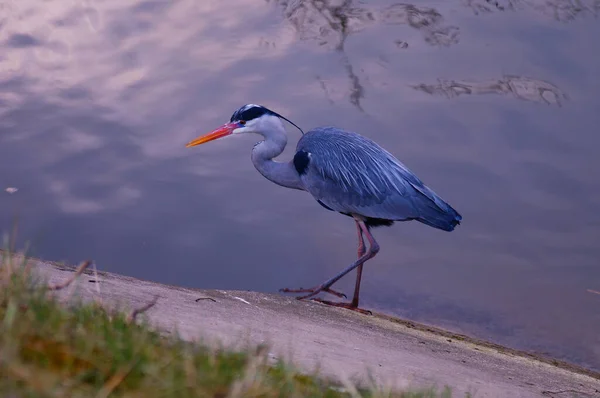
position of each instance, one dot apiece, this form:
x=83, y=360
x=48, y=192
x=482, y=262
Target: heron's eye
x=242, y=122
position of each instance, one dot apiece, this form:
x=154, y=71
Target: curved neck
x=281, y=173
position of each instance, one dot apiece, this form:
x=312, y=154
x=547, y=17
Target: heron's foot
x=313, y=291
x=349, y=306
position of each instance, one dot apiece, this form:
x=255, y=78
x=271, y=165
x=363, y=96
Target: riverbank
x=344, y=345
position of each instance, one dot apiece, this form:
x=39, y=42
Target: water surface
x=493, y=104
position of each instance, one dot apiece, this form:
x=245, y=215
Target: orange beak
x=221, y=132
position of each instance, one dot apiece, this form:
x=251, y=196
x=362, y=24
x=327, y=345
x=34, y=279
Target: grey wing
x=352, y=174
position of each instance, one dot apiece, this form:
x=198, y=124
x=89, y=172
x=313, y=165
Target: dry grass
x=50, y=350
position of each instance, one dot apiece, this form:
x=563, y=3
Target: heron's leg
x=312, y=289
x=373, y=250
x=361, y=252
x=353, y=305
x=343, y=305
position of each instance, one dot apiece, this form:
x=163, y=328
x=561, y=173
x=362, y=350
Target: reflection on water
x=330, y=23
x=560, y=10
x=97, y=100
x=516, y=86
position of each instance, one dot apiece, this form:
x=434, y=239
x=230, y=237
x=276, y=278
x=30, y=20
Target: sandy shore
x=341, y=343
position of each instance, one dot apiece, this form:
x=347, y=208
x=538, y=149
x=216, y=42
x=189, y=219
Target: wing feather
x=351, y=174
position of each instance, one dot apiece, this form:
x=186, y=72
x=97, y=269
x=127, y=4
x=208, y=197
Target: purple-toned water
x=495, y=105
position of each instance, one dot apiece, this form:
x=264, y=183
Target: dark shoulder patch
x=301, y=161
x=249, y=112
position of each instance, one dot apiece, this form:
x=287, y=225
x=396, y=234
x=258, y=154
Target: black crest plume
x=253, y=111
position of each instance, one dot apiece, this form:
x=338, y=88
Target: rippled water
x=495, y=105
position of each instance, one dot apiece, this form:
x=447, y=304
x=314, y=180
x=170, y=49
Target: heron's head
x=250, y=118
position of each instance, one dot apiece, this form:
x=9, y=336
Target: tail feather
x=434, y=211
x=444, y=220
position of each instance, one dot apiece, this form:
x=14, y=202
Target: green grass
x=48, y=349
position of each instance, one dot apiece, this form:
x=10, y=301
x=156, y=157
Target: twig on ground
x=142, y=309
x=206, y=298
x=548, y=392
x=593, y=291
x=79, y=271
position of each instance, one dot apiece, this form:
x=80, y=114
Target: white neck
x=281, y=173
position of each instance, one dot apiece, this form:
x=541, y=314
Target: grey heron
x=345, y=172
